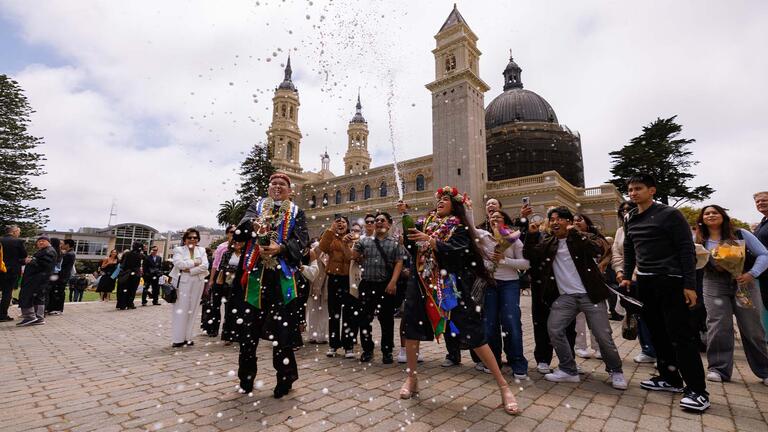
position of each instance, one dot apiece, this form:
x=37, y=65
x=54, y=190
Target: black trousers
x=674, y=338
x=8, y=282
x=56, y=296
x=126, y=292
x=342, y=324
x=374, y=302
x=543, y=350
x=154, y=283
x=453, y=346
x=283, y=359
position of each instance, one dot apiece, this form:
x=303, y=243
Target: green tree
x=254, y=174
x=231, y=212
x=18, y=161
x=660, y=152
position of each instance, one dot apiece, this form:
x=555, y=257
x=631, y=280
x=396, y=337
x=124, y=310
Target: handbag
x=629, y=327
x=169, y=292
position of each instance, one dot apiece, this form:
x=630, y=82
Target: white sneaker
x=598, y=355
x=486, y=370
x=401, y=357
x=765, y=381
x=420, y=358
x=543, y=368
x=479, y=367
x=520, y=377
x=349, y=354
x=644, y=358
x=331, y=352
x=561, y=376
x=583, y=353
x=617, y=381
x=714, y=376
x=579, y=370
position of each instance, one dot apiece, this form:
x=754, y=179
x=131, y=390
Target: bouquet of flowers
x=730, y=256
x=505, y=237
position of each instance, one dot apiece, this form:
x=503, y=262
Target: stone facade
x=461, y=152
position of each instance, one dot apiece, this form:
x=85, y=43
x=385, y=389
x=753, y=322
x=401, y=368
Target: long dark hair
x=458, y=210
x=620, y=214
x=591, y=228
x=702, y=230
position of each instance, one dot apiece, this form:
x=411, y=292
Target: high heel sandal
x=410, y=388
x=509, y=402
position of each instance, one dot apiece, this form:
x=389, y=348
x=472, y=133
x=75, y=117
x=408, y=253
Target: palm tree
x=230, y=212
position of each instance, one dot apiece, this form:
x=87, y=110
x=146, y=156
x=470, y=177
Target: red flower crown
x=451, y=192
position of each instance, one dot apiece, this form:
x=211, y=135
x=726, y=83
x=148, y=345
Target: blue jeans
x=502, y=308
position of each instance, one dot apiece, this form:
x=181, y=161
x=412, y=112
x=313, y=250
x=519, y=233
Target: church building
x=511, y=149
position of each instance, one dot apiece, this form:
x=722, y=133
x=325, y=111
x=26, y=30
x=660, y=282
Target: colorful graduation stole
x=253, y=268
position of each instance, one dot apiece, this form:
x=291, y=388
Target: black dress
x=452, y=256
x=106, y=283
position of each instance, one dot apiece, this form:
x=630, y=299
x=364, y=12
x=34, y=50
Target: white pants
x=184, y=311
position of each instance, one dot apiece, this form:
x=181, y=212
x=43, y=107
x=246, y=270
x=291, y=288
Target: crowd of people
x=449, y=278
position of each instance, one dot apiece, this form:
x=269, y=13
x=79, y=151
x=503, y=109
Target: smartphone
x=526, y=201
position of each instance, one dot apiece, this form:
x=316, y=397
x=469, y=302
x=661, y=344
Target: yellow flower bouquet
x=730, y=256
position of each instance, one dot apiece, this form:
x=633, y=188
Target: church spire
x=358, y=118
x=287, y=81
x=512, y=74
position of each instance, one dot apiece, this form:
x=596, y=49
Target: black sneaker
x=26, y=322
x=39, y=321
x=366, y=357
x=694, y=401
x=387, y=358
x=657, y=383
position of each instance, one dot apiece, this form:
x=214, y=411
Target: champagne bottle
x=408, y=223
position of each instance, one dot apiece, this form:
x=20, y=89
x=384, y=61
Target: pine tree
x=18, y=161
x=254, y=175
x=659, y=152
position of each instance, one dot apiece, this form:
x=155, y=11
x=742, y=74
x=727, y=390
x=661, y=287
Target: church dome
x=358, y=118
x=517, y=104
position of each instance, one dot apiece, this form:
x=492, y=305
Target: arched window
x=313, y=202
x=282, y=110
x=338, y=197
x=352, y=194
x=383, y=189
x=291, y=113
x=289, y=150
x=325, y=199
x=420, y=182
x=367, y=192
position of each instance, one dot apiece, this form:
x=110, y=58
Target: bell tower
x=357, y=159
x=458, y=111
x=283, y=135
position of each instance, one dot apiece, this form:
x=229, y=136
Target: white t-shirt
x=566, y=276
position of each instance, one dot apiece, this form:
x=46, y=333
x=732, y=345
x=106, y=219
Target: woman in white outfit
x=190, y=267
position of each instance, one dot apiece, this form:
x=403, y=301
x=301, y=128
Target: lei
x=441, y=228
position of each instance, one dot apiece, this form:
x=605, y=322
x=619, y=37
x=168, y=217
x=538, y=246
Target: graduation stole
x=253, y=267
x=440, y=290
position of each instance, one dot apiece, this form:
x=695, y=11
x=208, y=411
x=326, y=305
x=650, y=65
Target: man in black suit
x=761, y=232
x=35, y=283
x=14, y=255
x=152, y=271
x=59, y=286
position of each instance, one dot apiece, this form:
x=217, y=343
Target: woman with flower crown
x=447, y=263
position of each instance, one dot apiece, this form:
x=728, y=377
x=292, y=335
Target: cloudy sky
x=153, y=104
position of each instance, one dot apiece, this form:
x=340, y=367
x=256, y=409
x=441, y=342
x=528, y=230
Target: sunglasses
x=370, y=222
x=193, y=238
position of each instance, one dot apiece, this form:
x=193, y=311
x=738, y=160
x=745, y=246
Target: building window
x=291, y=113
x=313, y=202
x=338, y=197
x=450, y=63
x=282, y=110
x=352, y=194
x=90, y=247
x=367, y=192
x=289, y=150
x=383, y=189
x=420, y=183
x=325, y=199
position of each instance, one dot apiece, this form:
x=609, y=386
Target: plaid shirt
x=374, y=268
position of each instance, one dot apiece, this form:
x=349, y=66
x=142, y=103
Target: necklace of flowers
x=441, y=228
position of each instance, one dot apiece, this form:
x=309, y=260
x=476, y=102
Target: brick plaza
x=98, y=369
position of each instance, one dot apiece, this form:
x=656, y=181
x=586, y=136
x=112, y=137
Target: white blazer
x=183, y=260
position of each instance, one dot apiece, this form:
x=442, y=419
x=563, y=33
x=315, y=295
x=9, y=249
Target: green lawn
x=87, y=295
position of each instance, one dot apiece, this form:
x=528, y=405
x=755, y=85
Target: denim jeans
x=502, y=308
x=644, y=335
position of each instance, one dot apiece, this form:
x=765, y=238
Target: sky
x=153, y=105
